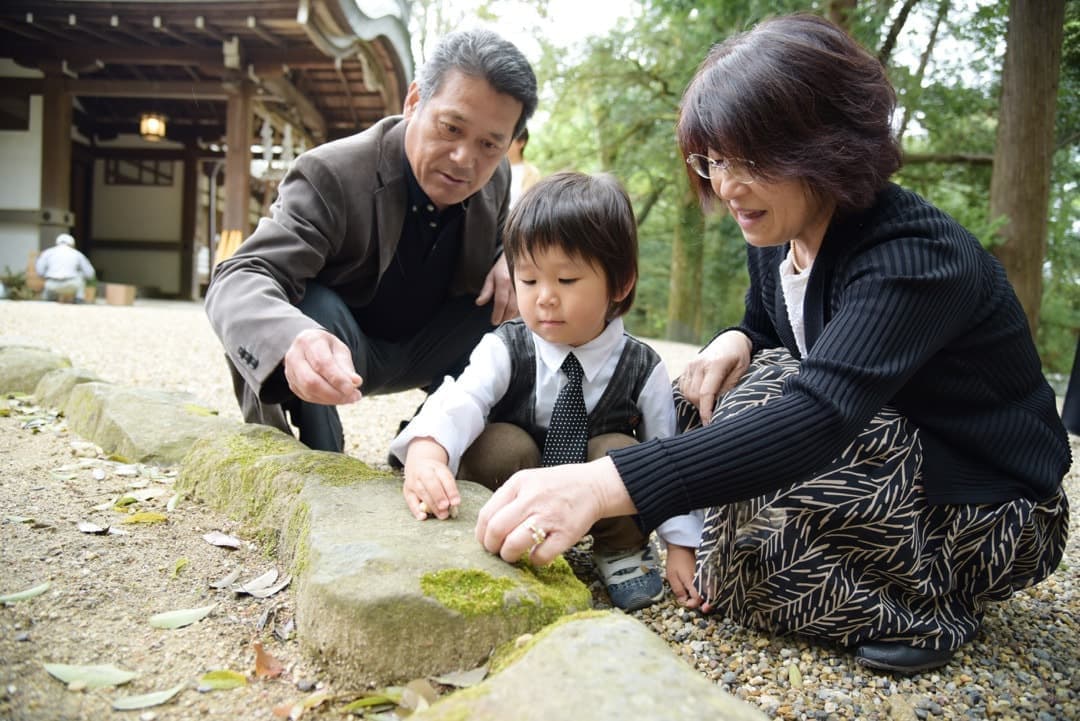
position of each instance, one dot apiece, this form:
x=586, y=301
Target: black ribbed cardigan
x=903, y=308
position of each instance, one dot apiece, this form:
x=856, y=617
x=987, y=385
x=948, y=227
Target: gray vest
x=617, y=410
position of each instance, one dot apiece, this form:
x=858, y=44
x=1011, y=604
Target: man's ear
x=412, y=100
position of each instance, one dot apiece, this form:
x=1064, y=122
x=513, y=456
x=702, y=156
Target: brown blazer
x=337, y=220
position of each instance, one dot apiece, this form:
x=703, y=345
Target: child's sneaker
x=632, y=578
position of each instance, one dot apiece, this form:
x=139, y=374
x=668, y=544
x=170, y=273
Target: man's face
x=455, y=141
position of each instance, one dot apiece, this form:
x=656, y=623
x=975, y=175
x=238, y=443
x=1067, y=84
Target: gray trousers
x=440, y=348
x=503, y=449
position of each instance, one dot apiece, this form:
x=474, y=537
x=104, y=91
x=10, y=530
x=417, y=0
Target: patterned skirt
x=857, y=553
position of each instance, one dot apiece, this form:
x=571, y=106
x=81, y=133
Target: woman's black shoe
x=900, y=657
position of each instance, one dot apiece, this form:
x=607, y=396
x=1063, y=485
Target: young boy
x=571, y=244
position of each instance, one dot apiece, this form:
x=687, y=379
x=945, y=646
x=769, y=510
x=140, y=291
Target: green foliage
x=611, y=105
x=14, y=284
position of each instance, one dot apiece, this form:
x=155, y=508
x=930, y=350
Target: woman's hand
x=679, y=571
x=541, y=512
x=429, y=485
x=714, y=371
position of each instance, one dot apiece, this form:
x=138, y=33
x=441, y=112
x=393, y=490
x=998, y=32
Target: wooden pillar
x=189, y=287
x=56, y=216
x=235, y=224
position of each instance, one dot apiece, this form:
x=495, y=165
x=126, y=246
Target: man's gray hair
x=482, y=54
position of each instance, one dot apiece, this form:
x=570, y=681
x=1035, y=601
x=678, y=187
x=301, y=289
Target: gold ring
x=539, y=535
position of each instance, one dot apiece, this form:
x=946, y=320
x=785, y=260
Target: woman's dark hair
x=798, y=97
x=483, y=54
x=586, y=216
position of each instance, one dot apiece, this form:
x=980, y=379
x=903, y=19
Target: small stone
x=305, y=685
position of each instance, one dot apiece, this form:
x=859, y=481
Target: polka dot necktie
x=568, y=435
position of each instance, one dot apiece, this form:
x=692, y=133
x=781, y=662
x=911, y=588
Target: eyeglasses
x=739, y=170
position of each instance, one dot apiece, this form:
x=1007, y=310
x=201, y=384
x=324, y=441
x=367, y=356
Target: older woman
x=885, y=457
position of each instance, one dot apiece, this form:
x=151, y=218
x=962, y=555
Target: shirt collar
x=592, y=355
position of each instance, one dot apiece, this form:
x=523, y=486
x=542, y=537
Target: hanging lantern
x=152, y=126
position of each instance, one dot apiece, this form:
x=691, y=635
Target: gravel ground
x=1022, y=666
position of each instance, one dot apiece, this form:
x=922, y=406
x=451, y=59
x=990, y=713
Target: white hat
x=65, y=239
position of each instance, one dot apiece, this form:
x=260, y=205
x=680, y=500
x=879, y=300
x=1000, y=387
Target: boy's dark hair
x=798, y=97
x=481, y=53
x=586, y=216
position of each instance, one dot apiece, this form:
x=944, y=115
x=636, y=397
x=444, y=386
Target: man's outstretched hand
x=319, y=369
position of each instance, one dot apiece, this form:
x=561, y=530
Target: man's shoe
x=632, y=578
x=900, y=657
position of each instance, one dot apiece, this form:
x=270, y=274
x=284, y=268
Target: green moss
x=197, y=410
x=298, y=538
x=541, y=595
x=335, y=469
x=469, y=592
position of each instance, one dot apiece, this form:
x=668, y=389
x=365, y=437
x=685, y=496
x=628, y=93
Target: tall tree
x=1023, y=154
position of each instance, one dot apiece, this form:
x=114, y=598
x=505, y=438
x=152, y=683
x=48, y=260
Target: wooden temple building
x=151, y=130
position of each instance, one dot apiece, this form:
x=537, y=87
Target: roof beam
x=309, y=114
x=179, y=90
x=253, y=26
x=261, y=58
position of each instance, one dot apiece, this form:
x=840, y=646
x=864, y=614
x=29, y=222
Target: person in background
x=571, y=243
x=380, y=265
x=65, y=270
x=877, y=449
x=523, y=174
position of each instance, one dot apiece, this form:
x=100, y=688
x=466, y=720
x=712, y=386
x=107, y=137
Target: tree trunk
x=687, y=255
x=1023, y=154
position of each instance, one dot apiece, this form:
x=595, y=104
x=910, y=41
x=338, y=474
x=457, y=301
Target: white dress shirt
x=456, y=414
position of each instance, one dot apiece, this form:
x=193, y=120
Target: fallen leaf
x=462, y=679
x=130, y=703
x=18, y=519
x=418, y=695
x=266, y=666
x=180, y=564
x=227, y=580
x=267, y=592
x=180, y=618
x=123, y=502
x=297, y=710
x=382, y=697
x=92, y=676
x=145, y=494
x=25, y=594
x=258, y=584
x=221, y=680
x=284, y=631
x=795, y=676
x=146, y=517
x=224, y=540
x=92, y=528
x=171, y=505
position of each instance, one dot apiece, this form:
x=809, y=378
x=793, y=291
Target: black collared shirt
x=416, y=282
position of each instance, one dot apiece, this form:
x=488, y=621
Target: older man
x=65, y=270
x=380, y=265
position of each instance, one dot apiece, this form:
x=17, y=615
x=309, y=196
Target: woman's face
x=772, y=213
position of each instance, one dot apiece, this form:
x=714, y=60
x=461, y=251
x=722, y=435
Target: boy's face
x=562, y=299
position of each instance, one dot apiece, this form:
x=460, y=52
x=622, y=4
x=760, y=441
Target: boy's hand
x=429, y=486
x=680, y=575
